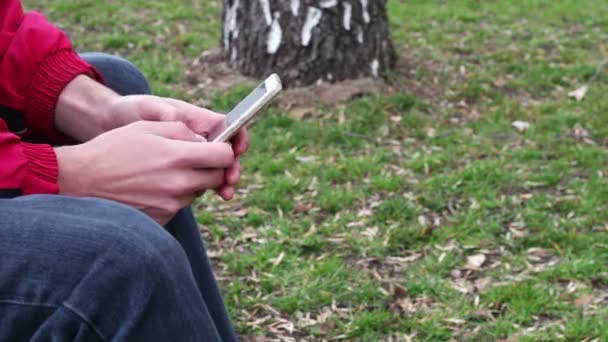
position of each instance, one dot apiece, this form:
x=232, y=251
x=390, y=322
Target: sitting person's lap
x=86, y=269
x=93, y=267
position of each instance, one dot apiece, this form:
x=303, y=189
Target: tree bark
x=306, y=41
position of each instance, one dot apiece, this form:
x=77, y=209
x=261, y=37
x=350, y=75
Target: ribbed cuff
x=46, y=83
x=42, y=169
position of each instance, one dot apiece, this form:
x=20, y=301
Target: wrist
x=69, y=178
x=82, y=108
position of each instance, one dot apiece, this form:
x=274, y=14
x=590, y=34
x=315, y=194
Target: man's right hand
x=157, y=167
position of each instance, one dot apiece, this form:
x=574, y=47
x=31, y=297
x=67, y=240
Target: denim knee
x=119, y=74
x=129, y=247
x=138, y=245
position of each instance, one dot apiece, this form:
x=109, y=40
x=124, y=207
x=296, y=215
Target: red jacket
x=36, y=62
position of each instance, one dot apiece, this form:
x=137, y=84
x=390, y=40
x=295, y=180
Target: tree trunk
x=306, y=41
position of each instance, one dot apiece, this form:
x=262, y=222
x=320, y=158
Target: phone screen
x=244, y=105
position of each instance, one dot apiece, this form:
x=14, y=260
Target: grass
x=362, y=227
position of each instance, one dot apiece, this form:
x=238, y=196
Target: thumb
x=173, y=130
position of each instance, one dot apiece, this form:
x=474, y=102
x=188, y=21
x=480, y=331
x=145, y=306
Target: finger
x=226, y=192
x=203, y=155
x=154, y=108
x=207, y=179
x=240, y=142
x=201, y=120
x=233, y=173
x=170, y=130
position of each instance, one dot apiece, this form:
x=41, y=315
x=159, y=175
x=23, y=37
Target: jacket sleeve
x=36, y=62
x=25, y=168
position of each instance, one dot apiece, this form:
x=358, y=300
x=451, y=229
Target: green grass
x=413, y=182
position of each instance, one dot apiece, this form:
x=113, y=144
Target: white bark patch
x=266, y=9
x=313, y=18
x=275, y=36
x=230, y=27
x=328, y=3
x=366, y=17
x=375, y=66
x=295, y=7
x=360, y=36
x=233, y=56
x=348, y=12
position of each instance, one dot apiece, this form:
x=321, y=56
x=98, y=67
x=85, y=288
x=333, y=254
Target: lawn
x=468, y=202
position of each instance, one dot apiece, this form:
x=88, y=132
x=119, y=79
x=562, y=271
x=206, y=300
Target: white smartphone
x=246, y=109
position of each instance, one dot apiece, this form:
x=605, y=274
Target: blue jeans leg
x=75, y=269
x=119, y=74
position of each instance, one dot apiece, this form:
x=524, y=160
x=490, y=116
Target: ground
x=468, y=201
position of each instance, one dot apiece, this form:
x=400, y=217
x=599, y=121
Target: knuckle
x=182, y=185
x=183, y=130
x=226, y=153
x=218, y=177
x=179, y=158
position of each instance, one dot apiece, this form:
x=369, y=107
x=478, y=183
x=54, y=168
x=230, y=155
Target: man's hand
x=155, y=167
x=127, y=109
x=87, y=109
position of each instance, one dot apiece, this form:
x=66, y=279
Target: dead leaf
x=483, y=283
x=306, y=159
x=581, y=134
x=583, y=300
x=327, y=327
x=301, y=208
x=396, y=118
x=399, y=291
x=455, y=320
x=579, y=94
x=276, y=261
x=475, y=261
x=539, y=255
x=241, y=212
x=521, y=126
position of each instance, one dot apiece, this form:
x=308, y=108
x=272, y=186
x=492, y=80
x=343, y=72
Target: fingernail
x=200, y=137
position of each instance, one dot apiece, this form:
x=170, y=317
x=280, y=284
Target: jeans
x=87, y=269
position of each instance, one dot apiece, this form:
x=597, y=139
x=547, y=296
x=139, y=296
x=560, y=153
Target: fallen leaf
x=396, y=118
x=241, y=212
x=579, y=94
x=475, y=261
x=521, y=126
x=301, y=208
x=583, y=300
x=399, y=291
x=539, y=255
x=581, y=134
x=327, y=327
x=306, y=159
x=276, y=261
x=483, y=283
x=454, y=320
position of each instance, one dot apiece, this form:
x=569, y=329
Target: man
x=83, y=252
